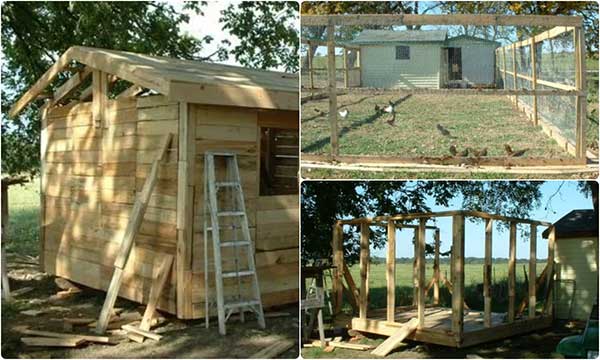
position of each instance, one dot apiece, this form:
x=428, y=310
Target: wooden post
x=364, y=270
x=512, y=253
x=415, y=267
x=345, y=58
x=5, y=281
x=186, y=156
x=458, y=275
x=421, y=273
x=534, y=80
x=551, y=274
x=99, y=97
x=436, y=268
x=504, y=66
x=487, y=274
x=310, y=66
x=532, y=274
x=514, y=54
x=338, y=262
x=580, y=83
x=331, y=77
x=391, y=271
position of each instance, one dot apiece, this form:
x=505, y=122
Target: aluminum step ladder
x=226, y=220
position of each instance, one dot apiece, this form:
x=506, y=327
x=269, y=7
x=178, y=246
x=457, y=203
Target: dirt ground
x=181, y=339
x=536, y=345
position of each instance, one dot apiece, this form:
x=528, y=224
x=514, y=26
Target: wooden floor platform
x=438, y=326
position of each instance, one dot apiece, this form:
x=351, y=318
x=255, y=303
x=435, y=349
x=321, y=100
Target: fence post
x=534, y=80
x=331, y=77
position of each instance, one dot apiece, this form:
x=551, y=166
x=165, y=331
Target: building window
x=278, y=161
x=402, y=52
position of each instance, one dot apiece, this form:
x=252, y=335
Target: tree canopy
x=325, y=202
x=35, y=34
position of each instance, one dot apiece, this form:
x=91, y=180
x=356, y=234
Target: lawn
x=473, y=121
x=24, y=218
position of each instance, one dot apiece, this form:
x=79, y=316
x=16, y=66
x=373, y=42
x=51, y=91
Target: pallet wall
x=273, y=219
x=89, y=181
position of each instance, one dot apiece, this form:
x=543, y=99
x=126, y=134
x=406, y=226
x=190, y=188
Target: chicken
x=377, y=108
x=464, y=153
x=442, y=130
x=519, y=152
x=479, y=153
x=344, y=113
x=389, y=109
x=508, y=150
x=452, y=150
x=392, y=120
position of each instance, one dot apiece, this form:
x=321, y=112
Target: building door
x=454, y=64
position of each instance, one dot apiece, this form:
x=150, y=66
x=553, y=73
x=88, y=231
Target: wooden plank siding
x=273, y=220
x=89, y=181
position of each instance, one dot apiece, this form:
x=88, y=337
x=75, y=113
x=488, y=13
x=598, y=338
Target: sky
x=566, y=199
x=199, y=26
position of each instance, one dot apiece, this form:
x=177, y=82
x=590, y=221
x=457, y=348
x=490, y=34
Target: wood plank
x=130, y=92
x=445, y=19
x=390, y=274
x=158, y=284
x=99, y=97
x=532, y=270
x=67, y=89
x=512, y=256
x=514, y=63
x=129, y=237
x=354, y=293
x=53, y=342
x=364, y=270
x=421, y=273
x=487, y=274
x=274, y=350
x=551, y=272
x=148, y=334
x=51, y=334
x=534, y=81
x=458, y=266
x=41, y=84
x=338, y=262
x=393, y=341
x=332, y=84
x=436, y=268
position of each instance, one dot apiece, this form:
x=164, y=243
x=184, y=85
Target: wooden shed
x=96, y=151
x=576, y=284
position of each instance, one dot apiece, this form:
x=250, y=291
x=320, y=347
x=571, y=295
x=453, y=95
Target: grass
x=24, y=218
x=473, y=121
x=473, y=287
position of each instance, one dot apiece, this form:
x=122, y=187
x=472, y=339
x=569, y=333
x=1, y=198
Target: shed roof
x=577, y=223
x=383, y=36
x=472, y=38
x=180, y=80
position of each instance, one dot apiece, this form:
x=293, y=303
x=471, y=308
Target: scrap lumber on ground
x=51, y=334
x=393, y=341
x=273, y=350
x=53, y=342
x=148, y=334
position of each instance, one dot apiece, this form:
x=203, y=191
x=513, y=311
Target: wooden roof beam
x=446, y=19
x=41, y=84
x=70, y=85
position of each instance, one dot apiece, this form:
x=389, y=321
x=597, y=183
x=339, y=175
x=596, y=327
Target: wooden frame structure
x=577, y=148
x=352, y=75
x=455, y=329
x=97, y=150
x=560, y=22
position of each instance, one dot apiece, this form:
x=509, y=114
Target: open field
x=473, y=281
x=473, y=121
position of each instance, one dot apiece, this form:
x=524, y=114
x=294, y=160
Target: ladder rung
x=221, y=154
x=235, y=243
x=227, y=183
x=231, y=274
x=225, y=227
x=231, y=213
x=241, y=303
